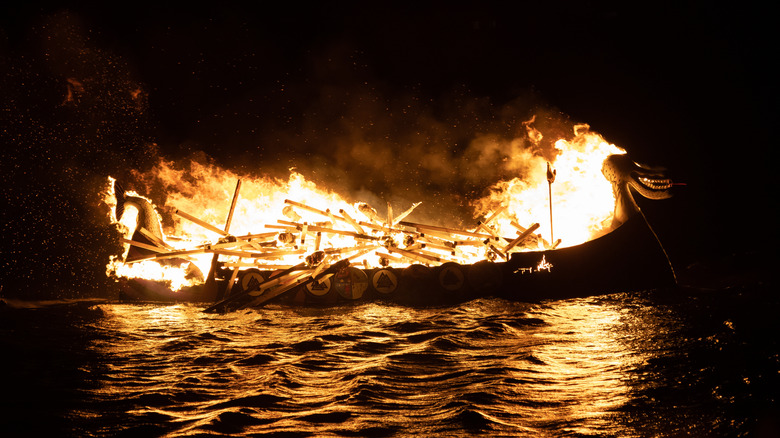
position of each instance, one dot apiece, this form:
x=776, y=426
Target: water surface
x=663, y=363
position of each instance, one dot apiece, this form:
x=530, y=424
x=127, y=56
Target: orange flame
x=582, y=200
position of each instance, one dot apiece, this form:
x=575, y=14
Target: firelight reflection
x=487, y=365
x=580, y=367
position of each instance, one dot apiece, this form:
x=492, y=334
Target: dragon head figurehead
x=625, y=174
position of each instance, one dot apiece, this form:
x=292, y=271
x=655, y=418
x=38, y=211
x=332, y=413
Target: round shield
x=319, y=288
x=451, y=277
x=250, y=279
x=350, y=283
x=384, y=281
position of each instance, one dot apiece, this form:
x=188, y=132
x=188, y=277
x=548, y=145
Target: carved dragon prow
x=143, y=224
x=627, y=176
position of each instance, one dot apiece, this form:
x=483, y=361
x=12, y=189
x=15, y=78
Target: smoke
x=368, y=139
x=79, y=112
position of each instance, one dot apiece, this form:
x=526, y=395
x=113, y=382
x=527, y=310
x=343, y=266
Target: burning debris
x=301, y=232
x=322, y=237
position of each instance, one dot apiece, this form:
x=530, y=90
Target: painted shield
x=451, y=277
x=350, y=283
x=319, y=288
x=384, y=281
x=250, y=279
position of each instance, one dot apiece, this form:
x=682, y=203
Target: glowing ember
x=544, y=265
x=276, y=224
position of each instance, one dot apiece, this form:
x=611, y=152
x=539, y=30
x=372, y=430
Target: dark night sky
x=259, y=89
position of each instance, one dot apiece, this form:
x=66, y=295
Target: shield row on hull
x=628, y=258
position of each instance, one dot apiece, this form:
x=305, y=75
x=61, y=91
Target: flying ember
x=213, y=215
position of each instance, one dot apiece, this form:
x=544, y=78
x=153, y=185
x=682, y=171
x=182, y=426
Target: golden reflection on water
x=580, y=371
x=562, y=365
x=138, y=317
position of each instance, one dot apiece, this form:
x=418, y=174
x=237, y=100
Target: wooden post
x=365, y=248
x=326, y=230
x=521, y=237
x=232, y=280
x=306, y=207
x=142, y=245
x=376, y=227
x=304, y=230
x=495, y=214
x=389, y=214
x=550, y=179
x=203, y=224
x=232, y=206
x=332, y=218
x=258, y=255
x=424, y=258
x=403, y=215
x=445, y=230
x=211, y=280
x=351, y=221
x=154, y=239
x=369, y=212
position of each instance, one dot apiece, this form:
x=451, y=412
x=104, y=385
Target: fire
x=278, y=223
x=582, y=198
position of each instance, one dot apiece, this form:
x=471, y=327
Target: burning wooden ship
x=416, y=263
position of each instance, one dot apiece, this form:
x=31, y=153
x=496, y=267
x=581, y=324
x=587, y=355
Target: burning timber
x=417, y=263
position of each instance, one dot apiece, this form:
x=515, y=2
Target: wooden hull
x=629, y=258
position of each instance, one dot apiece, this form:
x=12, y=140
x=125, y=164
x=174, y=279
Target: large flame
x=269, y=209
x=582, y=199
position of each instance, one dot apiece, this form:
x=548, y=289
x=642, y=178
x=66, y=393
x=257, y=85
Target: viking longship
x=414, y=267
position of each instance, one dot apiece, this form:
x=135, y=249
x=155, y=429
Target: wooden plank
x=306, y=207
x=281, y=227
x=154, y=239
x=261, y=236
x=221, y=304
x=537, y=237
x=352, y=222
x=258, y=255
x=326, y=230
x=495, y=214
x=384, y=228
x=445, y=230
x=424, y=258
x=197, y=221
x=524, y=235
x=232, y=206
x=403, y=215
x=182, y=253
x=143, y=245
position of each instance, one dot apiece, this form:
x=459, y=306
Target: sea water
x=667, y=363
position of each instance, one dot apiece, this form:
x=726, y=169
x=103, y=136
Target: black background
x=266, y=87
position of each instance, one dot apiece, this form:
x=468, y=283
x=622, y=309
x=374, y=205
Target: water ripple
x=624, y=365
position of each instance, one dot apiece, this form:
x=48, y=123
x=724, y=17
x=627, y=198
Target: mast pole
x=550, y=179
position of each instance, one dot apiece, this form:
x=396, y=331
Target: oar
x=311, y=261
x=211, y=284
x=234, y=297
x=268, y=296
x=318, y=275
